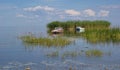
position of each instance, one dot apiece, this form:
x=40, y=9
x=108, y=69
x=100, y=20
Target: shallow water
x=14, y=55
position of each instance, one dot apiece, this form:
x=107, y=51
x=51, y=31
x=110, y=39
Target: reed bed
x=111, y=35
x=67, y=25
x=45, y=41
x=105, y=35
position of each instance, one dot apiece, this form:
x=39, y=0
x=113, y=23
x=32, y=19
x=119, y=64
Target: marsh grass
x=105, y=35
x=94, y=52
x=45, y=41
x=70, y=25
x=111, y=35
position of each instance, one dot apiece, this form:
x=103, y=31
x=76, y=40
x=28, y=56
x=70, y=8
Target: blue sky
x=24, y=12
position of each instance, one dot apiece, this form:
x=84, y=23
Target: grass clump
x=94, y=52
x=45, y=41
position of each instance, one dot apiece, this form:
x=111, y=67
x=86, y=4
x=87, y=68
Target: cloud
x=89, y=12
x=37, y=8
x=61, y=16
x=103, y=13
x=52, y=13
x=21, y=16
x=72, y=12
x=27, y=16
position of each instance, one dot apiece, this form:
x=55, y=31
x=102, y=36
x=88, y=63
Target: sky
x=33, y=12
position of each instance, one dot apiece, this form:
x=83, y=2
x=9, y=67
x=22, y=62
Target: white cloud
x=27, y=16
x=89, y=12
x=61, y=16
x=104, y=13
x=36, y=8
x=21, y=16
x=54, y=13
x=72, y=12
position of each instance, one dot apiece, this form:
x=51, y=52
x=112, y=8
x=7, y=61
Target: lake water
x=14, y=55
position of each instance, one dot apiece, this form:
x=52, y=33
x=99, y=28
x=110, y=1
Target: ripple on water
x=58, y=65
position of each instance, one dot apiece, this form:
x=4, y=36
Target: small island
x=70, y=26
x=95, y=31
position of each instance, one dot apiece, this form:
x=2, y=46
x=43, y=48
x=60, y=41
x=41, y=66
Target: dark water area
x=14, y=55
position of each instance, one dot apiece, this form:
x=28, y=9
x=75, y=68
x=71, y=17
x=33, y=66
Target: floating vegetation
x=53, y=54
x=94, y=52
x=87, y=53
x=45, y=41
x=69, y=54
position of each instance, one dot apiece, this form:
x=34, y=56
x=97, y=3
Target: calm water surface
x=14, y=55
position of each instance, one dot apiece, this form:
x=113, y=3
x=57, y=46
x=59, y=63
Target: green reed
x=70, y=25
x=94, y=52
x=103, y=35
x=45, y=41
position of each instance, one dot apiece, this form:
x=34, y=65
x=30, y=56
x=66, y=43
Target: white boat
x=80, y=29
x=57, y=30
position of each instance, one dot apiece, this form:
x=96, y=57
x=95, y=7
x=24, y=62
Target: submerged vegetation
x=94, y=52
x=53, y=54
x=70, y=54
x=87, y=53
x=45, y=41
